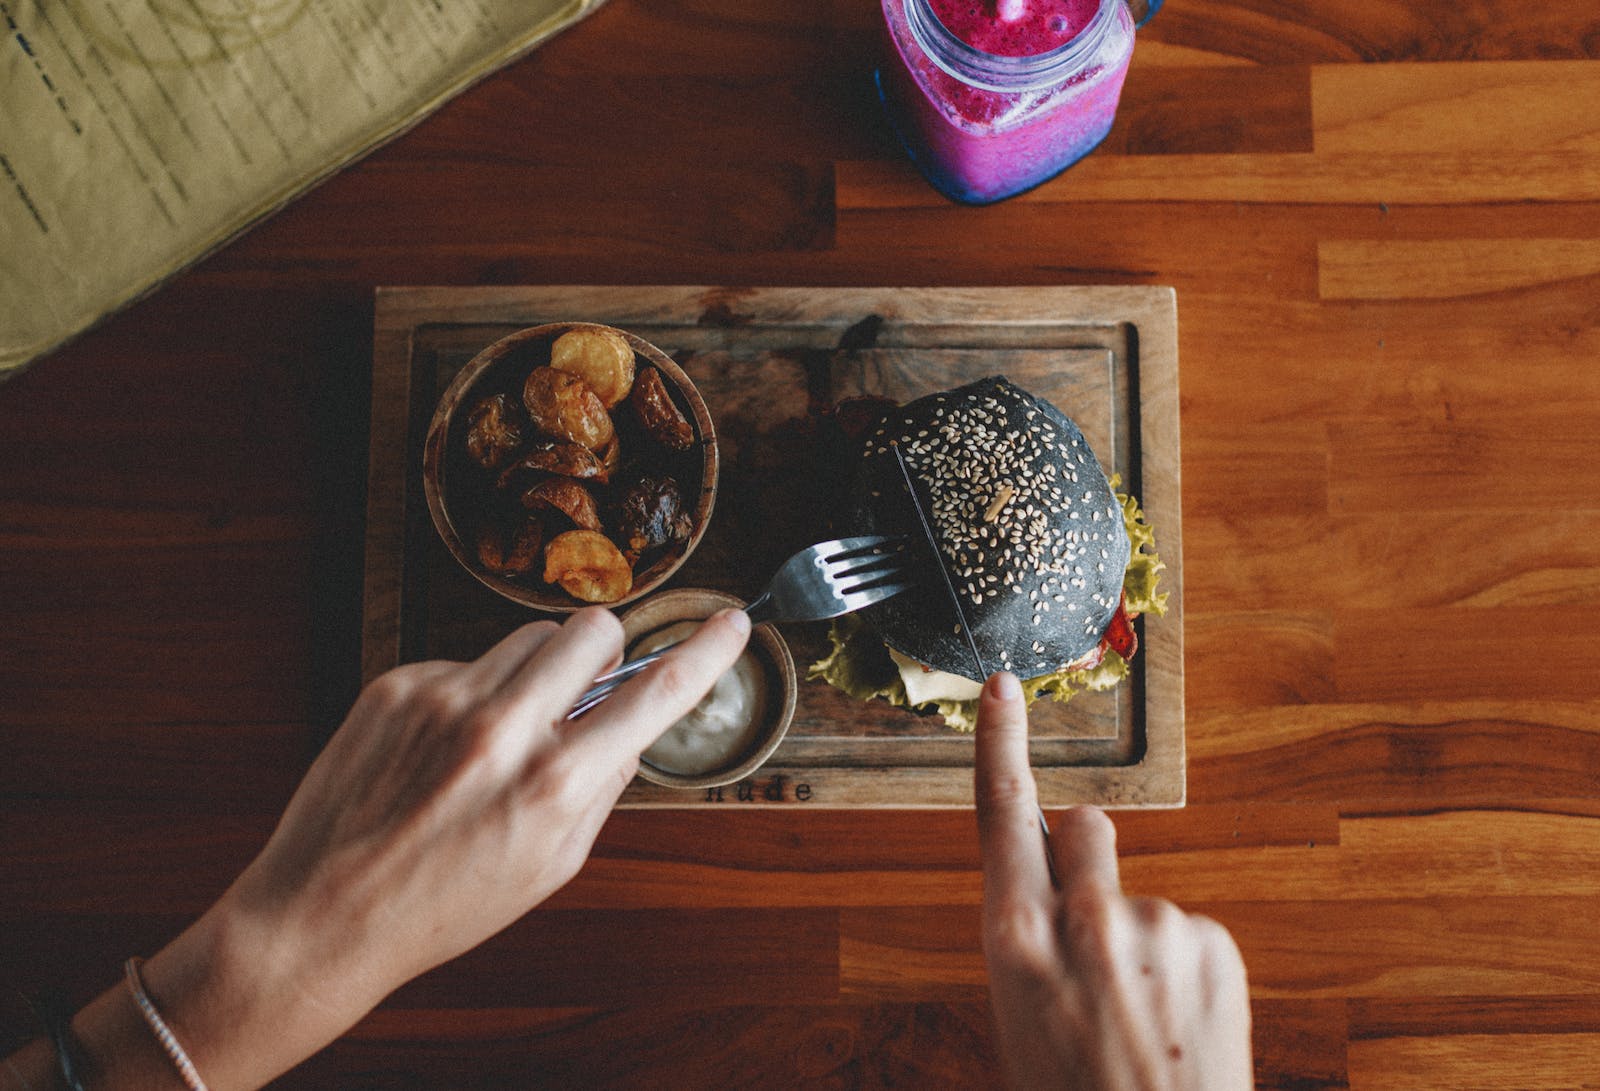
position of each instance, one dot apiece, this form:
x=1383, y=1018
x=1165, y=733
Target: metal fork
x=824, y=581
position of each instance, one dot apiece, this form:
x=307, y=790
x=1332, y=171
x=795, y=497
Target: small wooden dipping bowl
x=452, y=484
x=769, y=648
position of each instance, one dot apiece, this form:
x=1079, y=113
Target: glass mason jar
x=984, y=125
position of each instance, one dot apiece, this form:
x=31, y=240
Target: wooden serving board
x=762, y=358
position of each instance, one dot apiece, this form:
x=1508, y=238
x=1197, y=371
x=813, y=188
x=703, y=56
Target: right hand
x=1092, y=989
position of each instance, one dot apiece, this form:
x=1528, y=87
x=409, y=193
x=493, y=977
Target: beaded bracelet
x=158, y=1026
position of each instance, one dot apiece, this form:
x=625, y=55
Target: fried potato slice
x=587, y=566
x=566, y=496
x=494, y=430
x=657, y=413
x=601, y=358
x=563, y=406
x=563, y=459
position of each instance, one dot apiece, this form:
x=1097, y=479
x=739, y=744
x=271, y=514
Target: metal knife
x=966, y=629
x=938, y=561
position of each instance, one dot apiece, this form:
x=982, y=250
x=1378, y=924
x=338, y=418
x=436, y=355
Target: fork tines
x=868, y=564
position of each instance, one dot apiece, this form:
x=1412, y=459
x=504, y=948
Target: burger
x=1048, y=562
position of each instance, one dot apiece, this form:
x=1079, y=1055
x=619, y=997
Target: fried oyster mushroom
x=513, y=554
x=587, y=566
x=495, y=430
x=656, y=412
x=566, y=496
x=561, y=459
x=651, y=514
x=611, y=457
x=565, y=407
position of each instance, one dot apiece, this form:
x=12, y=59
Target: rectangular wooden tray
x=762, y=358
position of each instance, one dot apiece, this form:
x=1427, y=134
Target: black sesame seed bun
x=1039, y=579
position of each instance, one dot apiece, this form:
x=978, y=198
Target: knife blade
x=933, y=544
x=966, y=629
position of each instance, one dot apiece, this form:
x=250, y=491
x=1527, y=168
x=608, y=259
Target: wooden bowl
x=768, y=646
x=457, y=496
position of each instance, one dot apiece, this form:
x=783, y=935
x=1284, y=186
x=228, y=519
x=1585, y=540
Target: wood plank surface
x=1381, y=223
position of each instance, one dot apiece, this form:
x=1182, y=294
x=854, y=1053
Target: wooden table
x=1383, y=224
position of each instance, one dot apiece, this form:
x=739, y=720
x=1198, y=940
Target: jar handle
x=1143, y=10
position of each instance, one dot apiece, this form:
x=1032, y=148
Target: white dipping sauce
x=722, y=726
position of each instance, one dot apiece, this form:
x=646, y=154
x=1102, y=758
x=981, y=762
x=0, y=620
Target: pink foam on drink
x=1015, y=28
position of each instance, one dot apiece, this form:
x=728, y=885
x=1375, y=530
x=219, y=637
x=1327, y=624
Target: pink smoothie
x=977, y=139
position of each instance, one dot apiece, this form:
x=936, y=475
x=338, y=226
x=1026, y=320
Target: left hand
x=454, y=798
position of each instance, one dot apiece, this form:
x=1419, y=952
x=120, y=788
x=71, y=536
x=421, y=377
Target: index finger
x=645, y=706
x=1006, y=797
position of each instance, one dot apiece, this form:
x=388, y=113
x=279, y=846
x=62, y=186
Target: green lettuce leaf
x=1144, y=566
x=859, y=664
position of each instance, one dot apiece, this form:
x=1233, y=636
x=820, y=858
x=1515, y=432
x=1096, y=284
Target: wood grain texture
x=1446, y=177
x=1455, y=106
x=1381, y=223
x=1381, y=269
x=1473, y=1062
x=766, y=1044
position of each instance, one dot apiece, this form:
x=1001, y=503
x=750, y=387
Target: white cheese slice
x=924, y=685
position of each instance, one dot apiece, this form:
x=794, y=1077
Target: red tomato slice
x=1120, y=636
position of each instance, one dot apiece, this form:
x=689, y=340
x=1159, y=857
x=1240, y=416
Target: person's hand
x=1092, y=989
x=454, y=798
